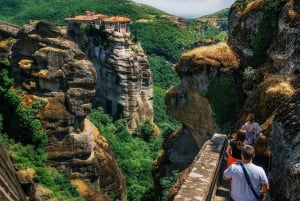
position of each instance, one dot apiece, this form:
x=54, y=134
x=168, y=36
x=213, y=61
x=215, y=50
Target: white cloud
x=188, y=8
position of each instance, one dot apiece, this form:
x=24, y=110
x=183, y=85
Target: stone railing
x=204, y=171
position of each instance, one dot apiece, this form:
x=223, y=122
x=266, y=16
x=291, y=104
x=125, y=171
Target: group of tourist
x=248, y=162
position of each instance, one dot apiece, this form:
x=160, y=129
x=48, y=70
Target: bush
x=249, y=73
x=242, y=4
x=144, y=130
x=163, y=73
x=167, y=182
x=160, y=109
x=134, y=155
x=225, y=98
x=267, y=28
x=168, y=43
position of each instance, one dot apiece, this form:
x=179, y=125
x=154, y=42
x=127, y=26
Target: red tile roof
x=90, y=16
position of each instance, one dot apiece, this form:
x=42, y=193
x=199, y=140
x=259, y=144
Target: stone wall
x=203, y=170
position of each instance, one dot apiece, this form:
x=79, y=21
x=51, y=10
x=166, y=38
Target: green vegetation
x=19, y=122
x=267, y=28
x=22, y=136
x=242, y=4
x=212, y=27
x=21, y=11
x=168, y=43
x=133, y=154
x=225, y=98
x=160, y=109
x=157, y=36
x=249, y=73
x=144, y=130
x=167, y=183
x=163, y=72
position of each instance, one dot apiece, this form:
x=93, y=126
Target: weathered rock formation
x=7, y=29
x=10, y=188
x=54, y=70
x=124, y=84
x=7, y=32
x=285, y=144
x=252, y=28
x=277, y=76
x=188, y=104
x=284, y=51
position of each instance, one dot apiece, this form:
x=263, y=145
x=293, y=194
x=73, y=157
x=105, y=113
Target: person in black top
x=263, y=154
x=233, y=149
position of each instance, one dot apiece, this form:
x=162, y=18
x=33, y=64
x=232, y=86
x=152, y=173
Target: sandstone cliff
x=276, y=76
x=54, y=71
x=285, y=144
x=124, y=84
x=188, y=104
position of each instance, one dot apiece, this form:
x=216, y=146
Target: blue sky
x=188, y=8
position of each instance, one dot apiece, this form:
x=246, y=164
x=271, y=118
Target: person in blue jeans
x=240, y=190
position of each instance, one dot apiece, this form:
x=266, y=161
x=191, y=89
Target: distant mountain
x=218, y=19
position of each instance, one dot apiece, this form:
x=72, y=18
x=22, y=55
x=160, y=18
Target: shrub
x=242, y=4
x=225, y=98
x=168, y=43
x=144, y=130
x=167, y=182
x=160, y=109
x=267, y=28
x=163, y=73
x=134, y=155
x=249, y=73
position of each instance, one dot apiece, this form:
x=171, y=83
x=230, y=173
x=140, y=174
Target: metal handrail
x=216, y=176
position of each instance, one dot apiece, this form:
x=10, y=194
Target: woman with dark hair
x=233, y=149
x=263, y=154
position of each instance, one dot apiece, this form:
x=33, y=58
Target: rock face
x=124, y=85
x=285, y=49
x=10, y=187
x=252, y=29
x=276, y=75
x=285, y=144
x=7, y=29
x=188, y=104
x=242, y=28
x=127, y=81
x=55, y=72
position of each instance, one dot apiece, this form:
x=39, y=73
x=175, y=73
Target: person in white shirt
x=240, y=190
